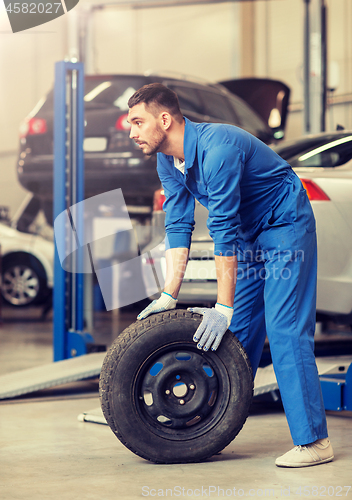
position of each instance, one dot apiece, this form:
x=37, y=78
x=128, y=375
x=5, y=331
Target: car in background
x=324, y=164
x=27, y=267
x=112, y=159
x=269, y=98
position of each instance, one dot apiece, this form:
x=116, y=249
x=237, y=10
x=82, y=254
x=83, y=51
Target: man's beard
x=158, y=141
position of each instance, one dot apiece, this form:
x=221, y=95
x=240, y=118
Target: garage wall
x=209, y=41
x=199, y=41
x=285, y=57
x=27, y=72
x=340, y=53
x=279, y=54
x=279, y=50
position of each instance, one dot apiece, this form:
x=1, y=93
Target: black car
x=112, y=159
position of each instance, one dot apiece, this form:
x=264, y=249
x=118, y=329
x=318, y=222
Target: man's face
x=146, y=130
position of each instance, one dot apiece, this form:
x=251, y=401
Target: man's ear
x=166, y=120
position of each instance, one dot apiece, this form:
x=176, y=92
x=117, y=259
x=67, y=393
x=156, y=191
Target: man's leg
x=248, y=321
x=290, y=308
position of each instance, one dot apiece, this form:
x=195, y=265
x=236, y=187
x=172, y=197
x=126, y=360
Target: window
x=247, y=118
x=188, y=98
x=111, y=92
x=332, y=154
x=217, y=106
x=102, y=92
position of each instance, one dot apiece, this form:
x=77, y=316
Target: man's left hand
x=213, y=326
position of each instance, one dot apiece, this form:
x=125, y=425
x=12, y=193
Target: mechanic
x=263, y=229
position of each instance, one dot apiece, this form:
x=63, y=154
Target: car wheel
x=168, y=401
x=23, y=281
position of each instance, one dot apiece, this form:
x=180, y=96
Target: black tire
x=24, y=281
x=142, y=408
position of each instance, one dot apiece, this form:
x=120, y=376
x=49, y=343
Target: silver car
x=27, y=267
x=324, y=164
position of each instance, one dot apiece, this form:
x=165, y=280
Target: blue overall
x=258, y=210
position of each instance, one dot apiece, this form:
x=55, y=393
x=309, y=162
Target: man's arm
x=176, y=262
x=226, y=273
x=179, y=223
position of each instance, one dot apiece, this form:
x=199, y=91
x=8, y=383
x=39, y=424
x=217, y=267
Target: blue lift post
x=73, y=356
x=69, y=340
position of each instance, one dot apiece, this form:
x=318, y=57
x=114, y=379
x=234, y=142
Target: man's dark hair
x=156, y=96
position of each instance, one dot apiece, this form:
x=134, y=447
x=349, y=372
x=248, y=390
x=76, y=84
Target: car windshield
x=104, y=92
x=247, y=117
x=323, y=152
x=111, y=92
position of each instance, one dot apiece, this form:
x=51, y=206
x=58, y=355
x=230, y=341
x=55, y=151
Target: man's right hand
x=164, y=303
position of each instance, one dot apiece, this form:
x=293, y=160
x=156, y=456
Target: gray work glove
x=163, y=303
x=216, y=321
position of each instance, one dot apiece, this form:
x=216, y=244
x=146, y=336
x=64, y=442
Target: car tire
x=24, y=281
x=166, y=400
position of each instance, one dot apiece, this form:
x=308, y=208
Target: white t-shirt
x=179, y=165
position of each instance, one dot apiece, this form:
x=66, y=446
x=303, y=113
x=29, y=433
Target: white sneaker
x=316, y=453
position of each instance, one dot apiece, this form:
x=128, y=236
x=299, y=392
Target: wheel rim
x=181, y=391
x=20, y=285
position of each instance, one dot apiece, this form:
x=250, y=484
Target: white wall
x=197, y=40
x=205, y=41
x=279, y=54
x=340, y=52
x=26, y=72
x=279, y=50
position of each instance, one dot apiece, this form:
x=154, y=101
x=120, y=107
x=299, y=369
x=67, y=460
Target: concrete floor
x=46, y=453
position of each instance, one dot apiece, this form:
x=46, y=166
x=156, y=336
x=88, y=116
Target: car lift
x=69, y=339
x=72, y=348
